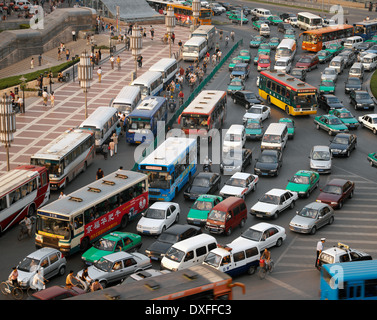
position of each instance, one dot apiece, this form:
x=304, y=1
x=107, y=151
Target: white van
x=194, y=49
x=208, y=32
x=189, y=252
x=168, y=67
x=264, y=30
x=338, y=64
x=260, y=12
x=369, y=61
x=234, y=138
x=150, y=83
x=127, y=99
x=351, y=42
x=275, y=137
x=357, y=71
x=286, y=48
x=235, y=258
x=283, y=64
x=103, y=122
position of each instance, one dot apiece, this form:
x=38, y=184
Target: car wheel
x=331, y=220
x=374, y=130
x=243, y=222
x=62, y=270
x=292, y=205
x=318, y=127
x=348, y=153
x=229, y=231
x=340, y=205
x=234, y=101
x=313, y=230
x=177, y=218
x=351, y=195
x=279, y=242
x=276, y=215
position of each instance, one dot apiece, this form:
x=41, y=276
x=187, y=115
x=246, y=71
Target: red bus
x=22, y=191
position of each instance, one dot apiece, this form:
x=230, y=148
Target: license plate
x=320, y=170
x=366, y=108
x=196, y=222
x=296, y=229
x=154, y=258
x=264, y=174
x=193, y=198
x=259, y=215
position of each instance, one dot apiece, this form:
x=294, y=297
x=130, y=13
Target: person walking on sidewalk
x=99, y=73
x=112, y=59
x=32, y=63
x=40, y=59
x=118, y=62
x=105, y=150
x=152, y=33
x=67, y=53
x=45, y=97
x=52, y=99
x=140, y=61
x=74, y=35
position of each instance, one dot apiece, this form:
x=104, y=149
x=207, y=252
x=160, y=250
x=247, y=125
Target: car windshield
x=253, y=125
x=345, y=115
x=250, y=95
x=252, y=234
x=340, y=140
x=289, y=31
x=203, y=205
x=333, y=100
x=236, y=60
x=281, y=64
x=362, y=96
x=254, y=110
x=329, y=71
x=300, y=179
x=28, y=265
x=265, y=61
x=104, y=265
x=104, y=244
x=213, y=259
x=296, y=72
x=321, y=155
x=305, y=60
x=327, y=84
x=236, y=83
x=270, y=138
x=201, y=182
x=217, y=215
x=354, y=81
x=308, y=213
x=239, y=68
x=175, y=254
x=244, y=53
x=264, y=46
x=335, y=121
x=333, y=189
x=274, y=40
x=233, y=154
x=155, y=213
x=271, y=199
x=236, y=182
x=322, y=54
x=267, y=158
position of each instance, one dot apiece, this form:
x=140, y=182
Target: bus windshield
x=306, y=100
x=54, y=226
x=190, y=49
x=53, y=166
x=125, y=108
x=140, y=123
x=160, y=180
x=191, y=121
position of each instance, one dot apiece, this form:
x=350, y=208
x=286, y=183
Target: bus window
x=3, y=203
x=78, y=222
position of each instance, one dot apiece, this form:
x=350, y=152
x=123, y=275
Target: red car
x=264, y=62
x=57, y=293
x=308, y=61
x=336, y=192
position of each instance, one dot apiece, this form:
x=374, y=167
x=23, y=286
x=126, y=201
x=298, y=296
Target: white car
x=273, y=203
x=320, y=159
x=329, y=74
x=369, y=121
x=283, y=64
x=292, y=21
x=239, y=185
x=264, y=235
x=158, y=217
x=258, y=112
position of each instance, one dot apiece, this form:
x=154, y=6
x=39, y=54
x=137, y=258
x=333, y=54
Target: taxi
x=346, y=117
x=303, y=182
x=327, y=86
x=202, y=206
x=372, y=158
x=256, y=41
x=245, y=55
x=253, y=129
x=234, y=61
x=290, y=125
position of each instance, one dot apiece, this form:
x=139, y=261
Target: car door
x=170, y=215
x=116, y=273
x=54, y=263
x=287, y=200
x=264, y=113
x=129, y=267
x=47, y=269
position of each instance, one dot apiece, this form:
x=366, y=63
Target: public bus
x=366, y=29
x=292, y=95
x=71, y=223
x=308, y=21
x=208, y=32
x=66, y=156
x=207, y=111
x=355, y=280
x=127, y=99
x=319, y=39
x=194, y=49
x=169, y=167
x=102, y=122
x=22, y=191
x=199, y=282
x=168, y=67
x=142, y=123
x=150, y=82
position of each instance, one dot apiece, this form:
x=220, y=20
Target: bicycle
x=24, y=232
x=263, y=268
x=7, y=287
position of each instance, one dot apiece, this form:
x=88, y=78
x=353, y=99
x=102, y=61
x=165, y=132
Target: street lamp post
x=23, y=108
x=170, y=24
x=136, y=44
x=7, y=124
x=85, y=75
x=195, y=12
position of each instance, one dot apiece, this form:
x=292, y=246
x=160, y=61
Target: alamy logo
x=37, y=21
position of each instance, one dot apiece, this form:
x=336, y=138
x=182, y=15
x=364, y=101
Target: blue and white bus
x=141, y=123
x=355, y=280
x=151, y=83
x=170, y=167
x=168, y=67
x=365, y=29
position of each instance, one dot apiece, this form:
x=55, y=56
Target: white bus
x=168, y=67
x=66, y=156
x=208, y=32
x=308, y=21
x=194, y=49
x=286, y=49
x=103, y=122
x=127, y=99
x=151, y=83
x=71, y=223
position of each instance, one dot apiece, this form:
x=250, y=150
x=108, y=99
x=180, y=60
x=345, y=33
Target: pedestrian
x=112, y=148
x=99, y=174
x=40, y=59
x=115, y=140
x=99, y=54
x=67, y=53
x=14, y=277
x=152, y=33
x=52, y=99
x=97, y=58
x=172, y=37
x=20, y=102
x=73, y=35
x=105, y=150
x=219, y=53
x=59, y=53
x=96, y=286
x=319, y=250
x=112, y=59
x=32, y=63
x=99, y=73
x=140, y=61
x=118, y=62
x=45, y=97
x=62, y=195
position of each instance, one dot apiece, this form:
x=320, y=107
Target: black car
x=286, y=15
x=349, y=57
x=299, y=73
x=329, y=101
x=264, y=20
x=362, y=46
x=343, y=144
x=235, y=161
x=283, y=26
x=352, y=83
x=269, y=163
x=203, y=183
x=361, y=100
x=245, y=98
x=177, y=232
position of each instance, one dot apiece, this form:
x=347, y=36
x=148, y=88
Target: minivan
x=352, y=42
x=357, y=71
x=227, y=215
x=369, y=61
x=235, y=258
x=189, y=252
x=264, y=30
x=127, y=99
x=275, y=137
x=234, y=138
x=338, y=64
x=263, y=13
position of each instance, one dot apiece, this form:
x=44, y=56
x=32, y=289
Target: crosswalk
x=355, y=225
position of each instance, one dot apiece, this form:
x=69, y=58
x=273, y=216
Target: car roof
x=276, y=192
x=270, y=151
x=180, y=228
x=321, y=148
x=305, y=173
x=241, y=64
x=241, y=175
x=261, y=226
x=39, y=254
x=284, y=59
x=55, y=291
x=316, y=205
x=117, y=255
x=344, y=135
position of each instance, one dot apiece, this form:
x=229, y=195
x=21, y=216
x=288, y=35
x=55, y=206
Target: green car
x=327, y=86
x=274, y=42
x=334, y=48
x=274, y=20
x=234, y=61
x=257, y=24
x=303, y=182
x=330, y=123
x=372, y=159
x=256, y=41
x=253, y=129
x=202, y=206
x=346, y=117
x=110, y=243
x=290, y=125
x=324, y=56
x=236, y=84
x=373, y=39
x=236, y=18
x=245, y=55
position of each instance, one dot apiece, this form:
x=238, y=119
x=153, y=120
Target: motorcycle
x=172, y=105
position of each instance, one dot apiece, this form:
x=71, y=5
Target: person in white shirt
x=319, y=249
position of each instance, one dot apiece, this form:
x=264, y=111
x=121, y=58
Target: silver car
x=117, y=266
x=320, y=159
x=329, y=74
x=50, y=261
x=313, y=216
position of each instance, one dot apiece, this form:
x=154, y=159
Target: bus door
x=355, y=290
x=77, y=229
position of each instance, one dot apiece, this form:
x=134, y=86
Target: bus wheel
x=124, y=221
x=287, y=110
x=84, y=244
x=268, y=100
